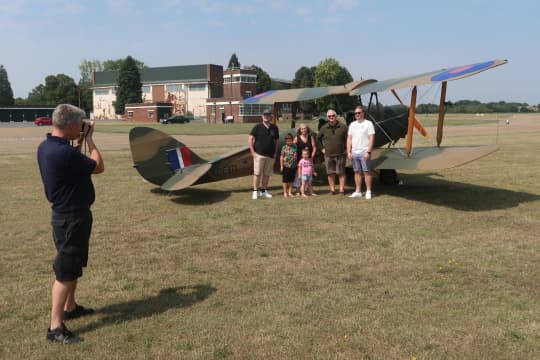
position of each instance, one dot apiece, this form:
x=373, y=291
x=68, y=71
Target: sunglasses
x=331, y=116
x=358, y=112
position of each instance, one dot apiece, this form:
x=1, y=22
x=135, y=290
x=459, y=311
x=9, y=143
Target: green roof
x=166, y=74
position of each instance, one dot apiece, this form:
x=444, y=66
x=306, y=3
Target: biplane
x=168, y=163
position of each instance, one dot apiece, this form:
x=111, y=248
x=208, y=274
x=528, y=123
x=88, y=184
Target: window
x=147, y=89
x=197, y=87
x=101, y=92
x=173, y=88
x=286, y=108
x=253, y=109
x=130, y=114
x=150, y=114
x=248, y=93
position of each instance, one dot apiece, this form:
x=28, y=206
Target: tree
x=60, y=89
x=129, y=85
x=264, y=83
x=6, y=93
x=233, y=62
x=111, y=65
x=305, y=78
x=37, y=96
x=87, y=68
x=328, y=73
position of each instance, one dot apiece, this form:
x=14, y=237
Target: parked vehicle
x=175, y=119
x=43, y=120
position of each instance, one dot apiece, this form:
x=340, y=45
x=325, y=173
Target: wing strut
x=412, y=113
x=417, y=124
x=442, y=110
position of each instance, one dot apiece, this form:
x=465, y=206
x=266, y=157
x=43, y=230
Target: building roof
x=166, y=74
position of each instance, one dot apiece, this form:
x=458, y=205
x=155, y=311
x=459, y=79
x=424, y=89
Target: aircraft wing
x=303, y=94
x=454, y=73
x=428, y=158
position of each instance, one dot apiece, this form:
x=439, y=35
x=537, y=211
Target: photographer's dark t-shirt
x=66, y=175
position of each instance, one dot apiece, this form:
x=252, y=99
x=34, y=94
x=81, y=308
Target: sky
x=373, y=39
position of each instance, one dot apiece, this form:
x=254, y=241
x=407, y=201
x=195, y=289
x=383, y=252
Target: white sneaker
x=368, y=195
x=254, y=195
x=266, y=194
x=356, y=195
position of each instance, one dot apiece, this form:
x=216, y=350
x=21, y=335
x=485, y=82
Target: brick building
x=147, y=112
x=185, y=87
x=238, y=84
x=203, y=90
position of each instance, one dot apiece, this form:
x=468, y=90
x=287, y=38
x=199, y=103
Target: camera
x=85, y=127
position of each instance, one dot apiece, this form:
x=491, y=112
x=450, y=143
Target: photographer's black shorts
x=71, y=234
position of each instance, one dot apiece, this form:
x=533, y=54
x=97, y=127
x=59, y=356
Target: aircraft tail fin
x=159, y=157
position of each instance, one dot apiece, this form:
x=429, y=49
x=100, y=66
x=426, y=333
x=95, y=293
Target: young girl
x=288, y=164
x=306, y=172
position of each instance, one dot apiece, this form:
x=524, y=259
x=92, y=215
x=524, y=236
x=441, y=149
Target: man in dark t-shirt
x=263, y=143
x=66, y=175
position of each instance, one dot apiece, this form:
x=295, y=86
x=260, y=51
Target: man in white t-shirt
x=360, y=138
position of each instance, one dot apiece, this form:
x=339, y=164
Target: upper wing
x=303, y=94
x=428, y=158
x=454, y=73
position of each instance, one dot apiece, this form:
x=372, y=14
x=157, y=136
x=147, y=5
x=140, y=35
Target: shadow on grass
x=167, y=299
x=194, y=196
x=460, y=196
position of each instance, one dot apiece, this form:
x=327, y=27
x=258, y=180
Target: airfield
x=446, y=266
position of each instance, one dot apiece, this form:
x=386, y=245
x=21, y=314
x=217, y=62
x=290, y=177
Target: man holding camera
x=66, y=175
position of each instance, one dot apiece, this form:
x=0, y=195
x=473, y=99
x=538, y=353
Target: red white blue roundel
x=460, y=71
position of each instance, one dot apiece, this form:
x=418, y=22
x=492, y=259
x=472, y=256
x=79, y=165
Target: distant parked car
x=175, y=119
x=43, y=120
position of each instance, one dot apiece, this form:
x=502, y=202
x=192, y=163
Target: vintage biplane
x=166, y=162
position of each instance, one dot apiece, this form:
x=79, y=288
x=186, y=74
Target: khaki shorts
x=335, y=164
x=263, y=165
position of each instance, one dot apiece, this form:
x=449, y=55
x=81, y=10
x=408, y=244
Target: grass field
x=445, y=267
x=200, y=128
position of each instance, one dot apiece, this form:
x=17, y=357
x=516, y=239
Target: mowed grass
x=200, y=128
x=445, y=267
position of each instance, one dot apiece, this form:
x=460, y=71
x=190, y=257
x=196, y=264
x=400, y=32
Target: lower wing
x=428, y=158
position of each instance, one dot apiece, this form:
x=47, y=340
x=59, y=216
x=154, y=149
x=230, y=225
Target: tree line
x=61, y=88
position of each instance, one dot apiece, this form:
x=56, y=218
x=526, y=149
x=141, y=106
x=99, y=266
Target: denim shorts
x=360, y=163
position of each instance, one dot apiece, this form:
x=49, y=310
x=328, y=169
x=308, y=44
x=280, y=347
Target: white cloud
x=336, y=5
x=8, y=7
x=117, y=6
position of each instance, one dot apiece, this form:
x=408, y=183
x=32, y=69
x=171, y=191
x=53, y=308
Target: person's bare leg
x=342, y=183
x=265, y=180
x=367, y=175
x=59, y=294
x=332, y=182
x=70, y=300
x=358, y=181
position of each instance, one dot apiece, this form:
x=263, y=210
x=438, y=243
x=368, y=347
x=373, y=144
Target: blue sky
x=371, y=38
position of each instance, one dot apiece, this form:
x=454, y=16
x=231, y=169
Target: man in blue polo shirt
x=66, y=175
